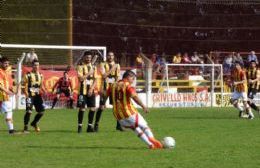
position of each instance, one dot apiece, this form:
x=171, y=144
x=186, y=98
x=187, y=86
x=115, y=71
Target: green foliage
x=205, y=137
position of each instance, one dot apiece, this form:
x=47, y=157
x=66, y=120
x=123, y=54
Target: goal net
x=190, y=85
x=54, y=60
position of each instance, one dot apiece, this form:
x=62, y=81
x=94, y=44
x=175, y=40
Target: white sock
x=239, y=108
x=9, y=120
x=148, y=132
x=142, y=136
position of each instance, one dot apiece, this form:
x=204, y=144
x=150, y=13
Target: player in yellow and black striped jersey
x=33, y=85
x=110, y=74
x=87, y=83
x=253, y=81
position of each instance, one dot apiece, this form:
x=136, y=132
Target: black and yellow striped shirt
x=113, y=76
x=33, y=82
x=83, y=70
x=252, y=74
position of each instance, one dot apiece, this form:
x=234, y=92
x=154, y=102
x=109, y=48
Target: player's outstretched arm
x=140, y=103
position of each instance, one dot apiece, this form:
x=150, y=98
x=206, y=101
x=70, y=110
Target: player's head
x=110, y=56
x=253, y=64
x=66, y=75
x=4, y=63
x=129, y=76
x=35, y=65
x=87, y=57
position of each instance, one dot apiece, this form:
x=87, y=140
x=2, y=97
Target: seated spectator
x=252, y=57
x=227, y=64
x=139, y=61
x=186, y=58
x=237, y=58
x=195, y=59
x=177, y=58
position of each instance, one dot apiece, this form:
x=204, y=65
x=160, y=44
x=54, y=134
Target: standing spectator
x=177, y=58
x=33, y=87
x=252, y=57
x=31, y=56
x=239, y=59
x=195, y=59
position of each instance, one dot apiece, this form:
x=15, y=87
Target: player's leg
x=91, y=103
x=55, y=100
x=27, y=114
x=234, y=100
x=250, y=101
x=7, y=109
x=246, y=105
x=101, y=108
x=141, y=123
x=39, y=108
x=81, y=105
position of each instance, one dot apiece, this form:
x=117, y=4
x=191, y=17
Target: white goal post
x=212, y=77
x=18, y=53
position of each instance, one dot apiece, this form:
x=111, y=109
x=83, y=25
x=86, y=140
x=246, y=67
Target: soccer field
x=205, y=137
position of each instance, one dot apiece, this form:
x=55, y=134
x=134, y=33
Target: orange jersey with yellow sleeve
x=240, y=75
x=121, y=93
x=6, y=82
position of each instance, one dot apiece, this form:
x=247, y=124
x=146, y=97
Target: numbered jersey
x=121, y=93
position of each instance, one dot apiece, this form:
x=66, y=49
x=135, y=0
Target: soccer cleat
x=90, y=128
x=25, y=129
x=79, y=129
x=156, y=143
x=14, y=132
x=96, y=128
x=119, y=128
x=36, y=128
x=250, y=117
x=240, y=115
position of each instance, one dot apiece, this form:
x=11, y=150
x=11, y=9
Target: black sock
x=71, y=103
x=98, y=115
x=80, y=116
x=91, y=116
x=54, y=102
x=253, y=106
x=26, y=118
x=37, y=118
x=118, y=124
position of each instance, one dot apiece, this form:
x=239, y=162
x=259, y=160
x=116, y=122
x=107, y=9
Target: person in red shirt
x=63, y=85
x=122, y=93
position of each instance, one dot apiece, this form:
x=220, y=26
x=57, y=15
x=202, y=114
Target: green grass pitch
x=205, y=138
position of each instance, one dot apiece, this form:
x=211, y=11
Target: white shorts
x=6, y=106
x=134, y=121
x=237, y=95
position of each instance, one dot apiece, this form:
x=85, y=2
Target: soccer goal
x=190, y=85
x=54, y=60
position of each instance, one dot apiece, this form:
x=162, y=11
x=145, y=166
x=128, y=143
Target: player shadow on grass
x=85, y=147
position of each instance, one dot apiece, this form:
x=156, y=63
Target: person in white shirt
x=31, y=56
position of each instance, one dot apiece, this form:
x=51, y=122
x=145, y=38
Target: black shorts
x=103, y=100
x=66, y=92
x=35, y=101
x=84, y=100
x=251, y=93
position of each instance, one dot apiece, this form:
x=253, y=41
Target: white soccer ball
x=168, y=142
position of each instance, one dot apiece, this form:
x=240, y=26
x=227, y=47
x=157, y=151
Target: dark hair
x=4, y=59
x=34, y=61
x=128, y=73
x=87, y=53
x=253, y=61
x=65, y=72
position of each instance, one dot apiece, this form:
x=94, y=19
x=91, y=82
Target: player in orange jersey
x=240, y=91
x=122, y=92
x=6, y=92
